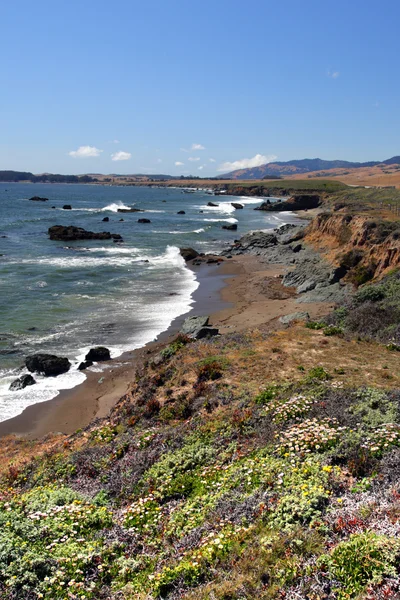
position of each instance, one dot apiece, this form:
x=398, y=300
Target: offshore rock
x=232, y=227
x=237, y=205
x=71, y=233
x=84, y=365
x=67, y=207
x=98, y=354
x=144, y=221
x=130, y=210
x=21, y=383
x=38, y=199
x=47, y=364
x=212, y=204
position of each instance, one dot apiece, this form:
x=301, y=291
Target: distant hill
x=297, y=167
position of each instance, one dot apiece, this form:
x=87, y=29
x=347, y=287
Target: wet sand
x=242, y=293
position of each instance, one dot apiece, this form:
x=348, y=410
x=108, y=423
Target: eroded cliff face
x=374, y=245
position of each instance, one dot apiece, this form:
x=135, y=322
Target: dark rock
x=144, y=221
x=106, y=219
x=118, y=240
x=47, y=364
x=236, y=205
x=181, y=212
x=53, y=207
x=296, y=202
x=84, y=365
x=130, y=210
x=38, y=199
x=204, y=332
x=211, y=204
x=121, y=220
x=21, y=383
x=67, y=207
x=297, y=247
x=70, y=233
x=188, y=253
x=231, y=227
x=98, y=354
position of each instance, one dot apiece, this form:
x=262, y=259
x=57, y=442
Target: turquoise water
x=63, y=297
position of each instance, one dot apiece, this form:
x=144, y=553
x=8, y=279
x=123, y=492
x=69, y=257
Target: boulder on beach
x=47, y=364
x=106, y=219
x=232, y=227
x=188, y=253
x=71, y=233
x=197, y=328
x=237, y=205
x=144, y=221
x=212, y=204
x=67, y=207
x=97, y=354
x=38, y=199
x=181, y=212
x=84, y=365
x=21, y=383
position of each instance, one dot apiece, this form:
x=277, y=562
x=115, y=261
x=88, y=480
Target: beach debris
x=188, y=253
x=38, y=199
x=47, y=364
x=97, y=354
x=71, y=233
x=21, y=383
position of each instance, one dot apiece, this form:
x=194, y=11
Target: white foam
x=223, y=207
x=115, y=206
x=230, y=220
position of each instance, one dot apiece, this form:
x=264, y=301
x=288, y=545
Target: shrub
x=318, y=373
x=315, y=325
x=363, y=559
x=333, y=330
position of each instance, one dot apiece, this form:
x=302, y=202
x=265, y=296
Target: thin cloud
x=201, y=168
x=212, y=160
x=246, y=163
x=197, y=147
x=179, y=163
x=85, y=152
x=121, y=156
x=159, y=160
x=333, y=74
x=194, y=158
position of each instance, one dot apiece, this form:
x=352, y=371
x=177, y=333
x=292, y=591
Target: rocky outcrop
x=130, y=210
x=38, y=199
x=97, y=354
x=21, y=383
x=71, y=233
x=84, y=365
x=296, y=202
x=188, y=253
x=212, y=204
x=181, y=212
x=237, y=205
x=106, y=219
x=47, y=364
x=297, y=316
x=197, y=328
x=231, y=227
x=144, y=221
x=67, y=207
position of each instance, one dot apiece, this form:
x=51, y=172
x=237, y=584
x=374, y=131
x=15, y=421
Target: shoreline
x=244, y=292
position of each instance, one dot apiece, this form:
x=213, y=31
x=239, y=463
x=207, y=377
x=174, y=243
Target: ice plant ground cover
x=236, y=486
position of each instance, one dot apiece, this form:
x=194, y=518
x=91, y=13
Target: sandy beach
x=244, y=292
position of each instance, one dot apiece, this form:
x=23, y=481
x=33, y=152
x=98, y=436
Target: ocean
x=65, y=297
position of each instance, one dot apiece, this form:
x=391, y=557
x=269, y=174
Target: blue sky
x=144, y=83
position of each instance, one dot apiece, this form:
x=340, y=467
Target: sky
x=196, y=86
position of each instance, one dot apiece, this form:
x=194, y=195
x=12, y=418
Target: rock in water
x=188, y=253
x=47, y=364
x=84, y=365
x=106, y=219
x=236, y=205
x=71, y=233
x=181, y=212
x=128, y=210
x=21, y=383
x=211, y=204
x=144, y=221
x=98, y=354
x=38, y=199
x=232, y=227
x=67, y=207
